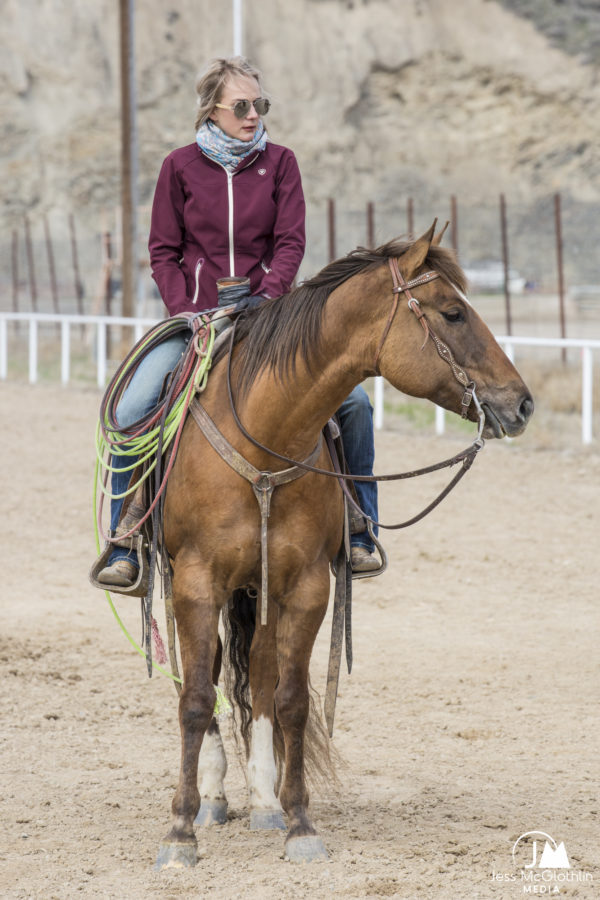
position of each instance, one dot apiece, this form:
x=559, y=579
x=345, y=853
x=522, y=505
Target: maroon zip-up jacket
x=208, y=223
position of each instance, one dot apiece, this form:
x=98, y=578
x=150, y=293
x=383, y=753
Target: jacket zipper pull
x=199, y=265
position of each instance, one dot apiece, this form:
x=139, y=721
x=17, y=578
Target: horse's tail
x=320, y=756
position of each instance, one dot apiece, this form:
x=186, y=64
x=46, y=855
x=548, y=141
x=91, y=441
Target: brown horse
x=296, y=360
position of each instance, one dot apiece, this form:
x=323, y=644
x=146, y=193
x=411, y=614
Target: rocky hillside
x=381, y=100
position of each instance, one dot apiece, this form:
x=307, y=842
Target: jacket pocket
x=197, y=272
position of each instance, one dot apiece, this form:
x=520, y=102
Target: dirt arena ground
x=469, y=719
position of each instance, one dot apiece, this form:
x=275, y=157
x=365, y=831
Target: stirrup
x=140, y=586
x=382, y=556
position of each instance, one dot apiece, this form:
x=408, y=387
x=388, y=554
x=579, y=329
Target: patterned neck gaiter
x=228, y=151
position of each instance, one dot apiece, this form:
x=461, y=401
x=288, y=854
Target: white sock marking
x=261, y=766
x=212, y=766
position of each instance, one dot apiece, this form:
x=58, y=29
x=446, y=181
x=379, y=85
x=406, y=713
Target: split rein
x=466, y=457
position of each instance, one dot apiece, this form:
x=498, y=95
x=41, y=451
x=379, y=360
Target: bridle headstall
x=403, y=287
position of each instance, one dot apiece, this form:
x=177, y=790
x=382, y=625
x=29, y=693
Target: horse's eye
x=454, y=315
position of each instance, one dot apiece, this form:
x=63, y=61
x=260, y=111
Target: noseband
x=403, y=287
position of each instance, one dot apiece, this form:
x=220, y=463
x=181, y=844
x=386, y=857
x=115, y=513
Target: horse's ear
x=416, y=254
x=437, y=240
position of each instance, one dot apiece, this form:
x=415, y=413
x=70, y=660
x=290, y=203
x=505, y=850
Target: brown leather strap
x=443, y=349
x=237, y=462
x=402, y=286
x=337, y=636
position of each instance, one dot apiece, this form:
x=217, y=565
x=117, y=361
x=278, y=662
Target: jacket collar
x=243, y=164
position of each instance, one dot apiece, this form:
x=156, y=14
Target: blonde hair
x=211, y=82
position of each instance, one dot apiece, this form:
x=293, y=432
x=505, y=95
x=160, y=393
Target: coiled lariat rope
x=148, y=438
x=151, y=435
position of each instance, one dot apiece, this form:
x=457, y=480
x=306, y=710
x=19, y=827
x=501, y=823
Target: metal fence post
x=503, y=232
x=33, y=350
x=65, y=351
x=30, y=266
x=440, y=420
x=3, y=349
x=370, y=225
x=587, y=373
x=75, y=261
x=560, y=268
x=15, y=270
x=101, y=351
x=51, y=266
x=454, y=223
x=378, y=403
x=331, y=228
x=410, y=218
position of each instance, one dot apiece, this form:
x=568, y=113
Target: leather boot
x=123, y=572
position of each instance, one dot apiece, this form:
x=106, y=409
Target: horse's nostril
x=526, y=408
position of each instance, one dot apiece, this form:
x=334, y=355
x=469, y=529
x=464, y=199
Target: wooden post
x=410, y=222
x=331, y=228
x=505, y=261
x=561, y=280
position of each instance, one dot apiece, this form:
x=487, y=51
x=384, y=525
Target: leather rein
x=466, y=457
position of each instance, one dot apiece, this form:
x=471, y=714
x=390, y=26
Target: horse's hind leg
x=265, y=808
x=300, y=617
x=197, y=616
x=212, y=766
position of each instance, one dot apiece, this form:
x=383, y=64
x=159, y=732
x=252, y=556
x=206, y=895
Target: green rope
x=143, y=448
x=120, y=622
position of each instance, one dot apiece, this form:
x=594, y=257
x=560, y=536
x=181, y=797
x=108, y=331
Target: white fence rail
x=101, y=323
x=66, y=322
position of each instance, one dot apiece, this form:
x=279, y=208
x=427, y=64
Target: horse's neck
x=295, y=409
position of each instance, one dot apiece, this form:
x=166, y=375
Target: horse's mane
x=276, y=332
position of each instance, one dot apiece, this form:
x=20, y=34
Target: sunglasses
x=242, y=107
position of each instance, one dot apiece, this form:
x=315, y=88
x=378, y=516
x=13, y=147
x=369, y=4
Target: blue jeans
x=356, y=422
x=140, y=396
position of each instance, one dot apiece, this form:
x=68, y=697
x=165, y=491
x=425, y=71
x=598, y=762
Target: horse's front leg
x=265, y=808
x=300, y=617
x=197, y=615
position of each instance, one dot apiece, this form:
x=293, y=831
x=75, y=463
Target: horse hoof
x=308, y=848
x=212, y=812
x=176, y=856
x=266, y=820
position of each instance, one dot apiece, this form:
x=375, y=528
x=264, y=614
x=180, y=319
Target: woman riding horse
x=296, y=359
x=228, y=205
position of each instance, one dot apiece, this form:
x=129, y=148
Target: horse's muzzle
x=501, y=422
